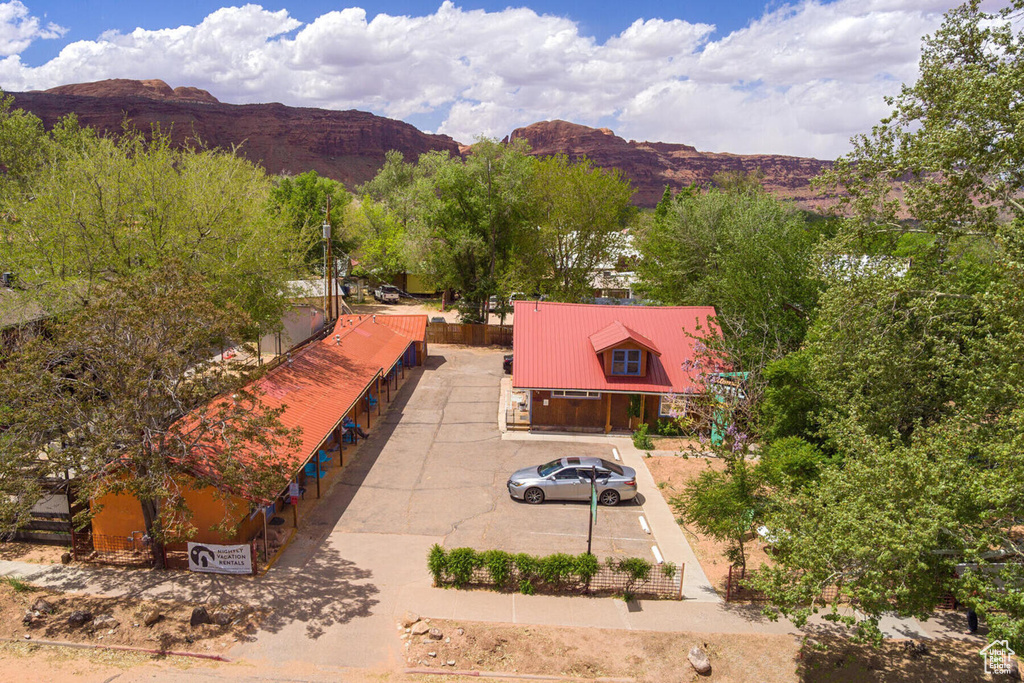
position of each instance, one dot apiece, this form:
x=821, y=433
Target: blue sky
x=744, y=77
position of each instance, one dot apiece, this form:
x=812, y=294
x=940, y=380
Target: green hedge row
x=559, y=573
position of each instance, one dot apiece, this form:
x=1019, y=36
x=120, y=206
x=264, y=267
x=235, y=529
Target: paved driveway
x=432, y=471
x=443, y=470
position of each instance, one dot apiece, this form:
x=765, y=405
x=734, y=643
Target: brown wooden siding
x=568, y=413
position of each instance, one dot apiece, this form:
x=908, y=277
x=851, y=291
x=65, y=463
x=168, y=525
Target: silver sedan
x=570, y=478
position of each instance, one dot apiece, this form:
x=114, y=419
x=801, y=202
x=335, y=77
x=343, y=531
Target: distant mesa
x=652, y=165
x=350, y=145
x=153, y=89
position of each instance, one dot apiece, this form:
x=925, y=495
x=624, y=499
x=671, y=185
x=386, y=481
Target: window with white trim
x=673, y=405
x=573, y=393
x=626, y=362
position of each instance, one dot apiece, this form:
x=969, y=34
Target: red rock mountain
x=345, y=145
x=350, y=145
x=652, y=165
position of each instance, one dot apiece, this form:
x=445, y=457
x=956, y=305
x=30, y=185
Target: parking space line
x=605, y=538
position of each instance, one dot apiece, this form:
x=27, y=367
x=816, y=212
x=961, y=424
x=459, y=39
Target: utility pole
x=328, y=265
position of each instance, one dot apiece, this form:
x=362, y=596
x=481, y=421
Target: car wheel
x=609, y=497
x=534, y=496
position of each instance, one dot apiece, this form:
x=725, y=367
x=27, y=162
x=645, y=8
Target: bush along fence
x=554, y=574
x=737, y=590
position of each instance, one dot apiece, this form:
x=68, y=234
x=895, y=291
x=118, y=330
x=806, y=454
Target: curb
x=122, y=648
x=506, y=674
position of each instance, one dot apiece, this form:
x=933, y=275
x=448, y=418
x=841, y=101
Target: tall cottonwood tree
x=582, y=213
x=920, y=370
x=83, y=209
x=119, y=393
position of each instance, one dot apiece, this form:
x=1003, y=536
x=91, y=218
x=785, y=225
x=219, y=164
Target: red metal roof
x=616, y=333
x=412, y=326
x=321, y=381
x=555, y=347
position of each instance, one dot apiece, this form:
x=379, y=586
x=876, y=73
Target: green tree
x=582, y=213
x=301, y=202
x=746, y=254
x=919, y=371
x=118, y=392
x=382, y=239
x=102, y=208
x=474, y=217
x=724, y=505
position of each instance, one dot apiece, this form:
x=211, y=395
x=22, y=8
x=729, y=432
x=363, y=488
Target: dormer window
x=626, y=361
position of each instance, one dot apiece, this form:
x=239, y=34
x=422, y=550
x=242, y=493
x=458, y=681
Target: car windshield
x=611, y=466
x=547, y=468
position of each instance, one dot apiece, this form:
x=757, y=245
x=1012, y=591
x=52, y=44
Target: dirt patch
x=896, y=660
x=673, y=445
x=594, y=653
x=671, y=475
x=120, y=621
x=647, y=656
x=32, y=552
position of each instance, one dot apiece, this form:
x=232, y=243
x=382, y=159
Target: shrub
x=437, y=559
x=636, y=569
x=668, y=569
x=641, y=439
x=586, y=567
x=556, y=569
x=499, y=566
x=669, y=428
x=526, y=588
x=461, y=563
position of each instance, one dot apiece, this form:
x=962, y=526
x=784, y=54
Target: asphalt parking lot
x=439, y=469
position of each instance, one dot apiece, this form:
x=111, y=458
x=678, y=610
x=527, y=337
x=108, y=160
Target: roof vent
x=337, y=339
x=288, y=358
x=374, y=318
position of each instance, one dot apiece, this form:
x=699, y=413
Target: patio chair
x=371, y=400
x=310, y=471
x=324, y=458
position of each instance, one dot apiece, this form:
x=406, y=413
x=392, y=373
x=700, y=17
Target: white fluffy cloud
x=18, y=28
x=799, y=80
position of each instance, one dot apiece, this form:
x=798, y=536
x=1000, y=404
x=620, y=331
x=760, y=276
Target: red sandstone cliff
x=345, y=145
x=652, y=165
x=350, y=145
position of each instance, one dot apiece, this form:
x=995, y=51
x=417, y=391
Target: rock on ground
x=699, y=660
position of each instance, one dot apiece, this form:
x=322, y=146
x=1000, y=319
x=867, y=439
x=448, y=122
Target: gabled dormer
x=624, y=352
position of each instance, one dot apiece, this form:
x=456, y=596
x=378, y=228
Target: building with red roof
x=318, y=385
x=583, y=365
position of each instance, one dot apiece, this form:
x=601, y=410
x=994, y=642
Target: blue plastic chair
x=311, y=470
x=371, y=399
x=324, y=457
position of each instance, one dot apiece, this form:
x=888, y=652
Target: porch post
x=643, y=410
x=608, y=413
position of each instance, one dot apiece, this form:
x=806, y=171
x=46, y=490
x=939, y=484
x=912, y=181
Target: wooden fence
x=469, y=334
x=50, y=518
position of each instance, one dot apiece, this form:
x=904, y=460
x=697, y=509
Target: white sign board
x=219, y=559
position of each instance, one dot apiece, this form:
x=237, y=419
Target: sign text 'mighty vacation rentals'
x=219, y=559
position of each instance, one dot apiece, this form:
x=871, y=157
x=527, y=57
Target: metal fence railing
x=130, y=551
x=607, y=581
x=735, y=590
